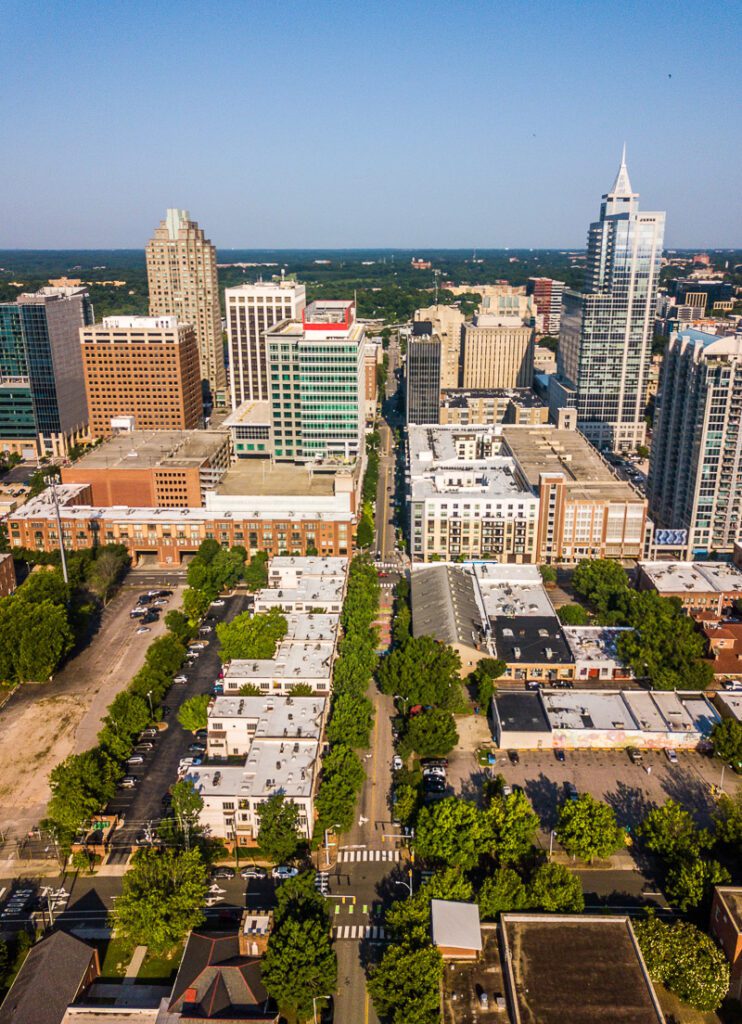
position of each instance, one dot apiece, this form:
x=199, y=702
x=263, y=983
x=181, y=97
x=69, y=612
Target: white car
x=282, y=872
x=434, y=769
x=197, y=645
x=189, y=762
x=671, y=756
x=180, y=678
x=397, y=763
x=144, y=629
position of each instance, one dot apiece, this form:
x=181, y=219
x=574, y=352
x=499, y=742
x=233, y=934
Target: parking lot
x=608, y=775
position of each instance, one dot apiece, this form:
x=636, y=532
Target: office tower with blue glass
x=43, y=409
x=605, y=340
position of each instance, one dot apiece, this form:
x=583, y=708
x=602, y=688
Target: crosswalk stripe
x=359, y=933
x=359, y=856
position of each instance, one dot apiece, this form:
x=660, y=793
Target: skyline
x=335, y=126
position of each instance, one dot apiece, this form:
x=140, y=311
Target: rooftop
x=251, y=413
x=693, y=577
x=732, y=899
x=144, y=323
x=304, y=626
x=594, y=643
x=292, y=660
x=455, y=925
x=459, y=398
x=144, y=449
x=530, y=639
x=306, y=567
x=582, y=709
x=266, y=771
x=444, y=604
x=273, y=717
x=544, y=449
x=730, y=702
x=263, y=477
x=308, y=592
x=603, y=978
x=512, y=590
x=521, y=711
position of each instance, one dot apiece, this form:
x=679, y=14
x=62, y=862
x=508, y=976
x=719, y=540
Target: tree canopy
x=432, y=733
x=686, y=960
x=726, y=737
x=453, y=832
x=423, y=671
x=502, y=893
x=588, y=829
x=192, y=713
x=278, y=835
x=251, y=636
x=555, y=889
x=405, y=986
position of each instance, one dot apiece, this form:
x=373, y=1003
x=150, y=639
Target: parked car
x=570, y=791
x=197, y=748
x=671, y=756
x=222, y=871
x=144, y=629
x=634, y=755
x=514, y=756
x=189, y=762
x=397, y=763
x=135, y=759
x=219, y=603
x=560, y=756
x=144, y=747
x=282, y=872
x=733, y=684
x=205, y=630
x=137, y=613
x=181, y=679
x=253, y=871
x=202, y=735
x=149, y=733
x=197, y=645
x=434, y=769
x=434, y=784
x=129, y=781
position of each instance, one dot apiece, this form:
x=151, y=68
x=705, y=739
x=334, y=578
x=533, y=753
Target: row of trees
x=214, y=569
x=365, y=530
x=41, y=622
x=351, y=712
x=251, y=636
x=663, y=645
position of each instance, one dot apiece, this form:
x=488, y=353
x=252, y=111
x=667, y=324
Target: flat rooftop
x=730, y=702
x=602, y=979
x=693, y=577
x=266, y=771
x=515, y=598
x=530, y=639
x=144, y=449
x=544, y=449
x=441, y=443
x=581, y=709
x=460, y=398
x=273, y=716
x=249, y=414
x=292, y=660
x=594, y=643
x=521, y=711
x=305, y=591
x=307, y=566
x=304, y=626
x=263, y=477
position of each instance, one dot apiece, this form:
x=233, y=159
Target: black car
x=222, y=871
x=559, y=755
x=514, y=756
x=434, y=784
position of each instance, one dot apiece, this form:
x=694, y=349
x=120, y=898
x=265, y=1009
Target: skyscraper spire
x=622, y=184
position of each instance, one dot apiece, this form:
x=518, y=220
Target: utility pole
x=58, y=516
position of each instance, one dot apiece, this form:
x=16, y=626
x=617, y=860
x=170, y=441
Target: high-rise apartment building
x=695, y=473
x=144, y=369
x=547, y=296
x=423, y=374
x=181, y=271
x=42, y=390
x=448, y=324
x=605, y=342
x=498, y=352
x=252, y=309
x=316, y=372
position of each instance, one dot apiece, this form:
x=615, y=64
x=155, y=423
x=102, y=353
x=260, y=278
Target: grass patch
x=161, y=968
x=115, y=955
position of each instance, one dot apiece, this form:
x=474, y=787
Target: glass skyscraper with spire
x=605, y=340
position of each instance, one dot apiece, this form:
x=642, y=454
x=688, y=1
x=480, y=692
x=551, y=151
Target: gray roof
x=48, y=982
x=455, y=925
x=444, y=605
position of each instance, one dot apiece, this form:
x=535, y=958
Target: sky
x=358, y=124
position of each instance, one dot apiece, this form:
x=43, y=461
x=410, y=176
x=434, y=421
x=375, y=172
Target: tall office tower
x=181, y=271
x=144, y=370
x=423, y=374
x=547, y=296
x=42, y=388
x=251, y=310
x=316, y=370
x=695, y=472
x=498, y=352
x=448, y=324
x=605, y=343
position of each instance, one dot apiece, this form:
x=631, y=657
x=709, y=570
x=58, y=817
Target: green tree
x=365, y=532
x=256, y=572
x=555, y=889
x=671, y=833
x=80, y=785
x=686, y=960
x=106, y=570
x=300, y=690
x=502, y=893
x=482, y=679
x=451, y=831
x=513, y=825
x=187, y=804
x=351, y=721
x=573, y=615
x=405, y=987
x=128, y=714
x=548, y=573
x=192, y=713
x=423, y=671
x=162, y=898
x=409, y=919
x=728, y=820
x=432, y=733
x=278, y=835
x=251, y=636
x=250, y=690
x=342, y=779
x=588, y=829
x=179, y=625
x=726, y=737
x=664, y=646
x=195, y=603
x=690, y=883
x=406, y=800
x=604, y=583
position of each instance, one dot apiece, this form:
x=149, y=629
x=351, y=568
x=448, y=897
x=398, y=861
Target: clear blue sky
x=288, y=124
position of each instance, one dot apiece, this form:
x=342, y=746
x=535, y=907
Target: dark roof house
x=215, y=982
x=55, y=973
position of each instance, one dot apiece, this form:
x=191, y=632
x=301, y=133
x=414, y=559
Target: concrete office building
x=251, y=310
x=42, y=391
x=447, y=323
x=250, y=427
x=547, y=296
x=605, y=344
x=143, y=370
x=695, y=471
x=498, y=352
x=182, y=277
x=423, y=374
x=316, y=368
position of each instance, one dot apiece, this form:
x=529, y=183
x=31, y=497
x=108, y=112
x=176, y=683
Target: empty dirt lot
x=43, y=723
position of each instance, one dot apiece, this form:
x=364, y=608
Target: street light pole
x=327, y=843
x=551, y=842
x=407, y=885
x=149, y=698
x=314, y=1005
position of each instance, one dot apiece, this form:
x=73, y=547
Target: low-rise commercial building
x=308, y=595
x=699, y=586
x=169, y=536
x=725, y=647
x=557, y=718
x=294, y=663
x=595, y=653
x=519, y=406
x=279, y=738
x=147, y=468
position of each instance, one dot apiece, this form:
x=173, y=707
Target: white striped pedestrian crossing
x=359, y=932
x=357, y=856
